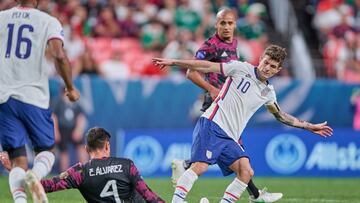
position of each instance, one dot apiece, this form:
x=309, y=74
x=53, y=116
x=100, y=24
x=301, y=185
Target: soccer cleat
x=177, y=167
x=204, y=200
x=35, y=188
x=266, y=197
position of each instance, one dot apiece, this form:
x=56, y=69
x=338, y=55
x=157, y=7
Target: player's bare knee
x=245, y=172
x=251, y=172
x=199, y=167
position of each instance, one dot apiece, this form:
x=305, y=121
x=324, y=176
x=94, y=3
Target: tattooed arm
x=321, y=128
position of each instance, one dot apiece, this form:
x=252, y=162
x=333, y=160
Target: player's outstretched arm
x=63, y=68
x=198, y=65
x=197, y=79
x=321, y=129
x=71, y=178
x=141, y=187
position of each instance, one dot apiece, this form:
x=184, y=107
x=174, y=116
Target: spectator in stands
x=114, y=68
x=68, y=7
x=252, y=27
x=93, y=8
x=107, y=24
x=86, y=64
x=171, y=33
x=71, y=123
x=183, y=46
x=128, y=26
x=242, y=7
x=121, y=8
x=167, y=13
x=79, y=22
x=253, y=36
x=329, y=14
x=145, y=11
x=206, y=28
x=348, y=58
x=74, y=46
x=153, y=35
x=47, y=6
x=330, y=54
x=218, y=5
x=356, y=10
x=355, y=102
x=186, y=17
x=344, y=25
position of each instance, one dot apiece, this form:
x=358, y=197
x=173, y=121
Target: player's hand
x=5, y=161
x=162, y=62
x=214, y=92
x=321, y=129
x=72, y=94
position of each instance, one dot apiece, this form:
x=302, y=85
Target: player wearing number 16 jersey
x=103, y=178
x=25, y=33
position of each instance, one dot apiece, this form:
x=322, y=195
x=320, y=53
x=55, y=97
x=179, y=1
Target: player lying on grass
x=103, y=178
x=219, y=129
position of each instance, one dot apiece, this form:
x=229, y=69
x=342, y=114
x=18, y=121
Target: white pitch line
x=316, y=200
x=301, y=200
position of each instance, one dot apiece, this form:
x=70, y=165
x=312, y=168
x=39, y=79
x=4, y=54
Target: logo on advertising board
x=146, y=152
x=285, y=154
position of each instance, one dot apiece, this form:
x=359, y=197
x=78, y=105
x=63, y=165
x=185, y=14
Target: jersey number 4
x=21, y=41
x=110, y=189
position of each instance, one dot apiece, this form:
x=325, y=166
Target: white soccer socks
x=234, y=191
x=184, y=185
x=16, y=180
x=43, y=163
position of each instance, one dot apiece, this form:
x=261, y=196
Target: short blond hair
x=224, y=12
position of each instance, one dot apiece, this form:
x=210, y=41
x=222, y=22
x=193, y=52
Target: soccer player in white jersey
x=218, y=130
x=25, y=33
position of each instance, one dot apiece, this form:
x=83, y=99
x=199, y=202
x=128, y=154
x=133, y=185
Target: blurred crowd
x=338, y=26
x=117, y=38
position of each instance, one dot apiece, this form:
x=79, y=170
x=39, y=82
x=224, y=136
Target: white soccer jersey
x=24, y=33
x=240, y=97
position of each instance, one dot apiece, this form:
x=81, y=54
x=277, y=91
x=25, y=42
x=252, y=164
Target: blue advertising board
x=273, y=151
x=155, y=103
x=295, y=152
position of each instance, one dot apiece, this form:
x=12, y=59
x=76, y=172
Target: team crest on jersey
x=265, y=91
x=208, y=154
x=200, y=54
x=248, y=75
x=62, y=33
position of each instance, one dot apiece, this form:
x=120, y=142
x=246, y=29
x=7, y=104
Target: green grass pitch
x=296, y=190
